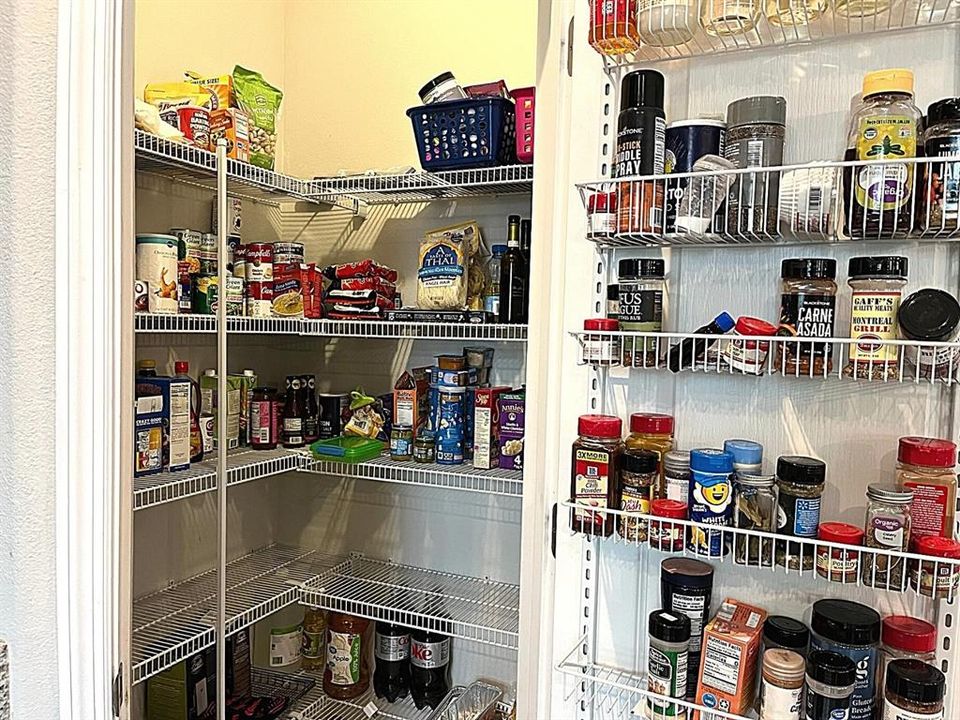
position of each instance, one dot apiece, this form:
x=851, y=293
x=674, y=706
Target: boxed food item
x=208, y=403
x=177, y=94
x=454, y=378
x=261, y=101
x=486, y=427
x=219, y=87
x=728, y=666
x=411, y=398
x=288, y=290
x=233, y=125
x=175, y=395
x=148, y=435
x=510, y=407
x=238, y=665
x=187, y=691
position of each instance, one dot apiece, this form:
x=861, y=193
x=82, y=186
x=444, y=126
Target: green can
x=205, y=293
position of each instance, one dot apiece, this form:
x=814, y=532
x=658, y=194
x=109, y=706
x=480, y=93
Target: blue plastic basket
x=465, y=133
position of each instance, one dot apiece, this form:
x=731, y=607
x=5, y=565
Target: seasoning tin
x=876, y=284
x=601, y=349
x=686, y=142
x=676, y=475
x=711, y=499
x=807, y=309
x=780, y=631
x=450, y=430
x=205, y=294
x=401, y=442
x=666, y=535
x=332, y=407
x=259, y=262
x=836, y=564
x=755, y=509
x=940, y=576
x=424, y=448
x=233, y=294
x=748, y=356
x=288, y=253
x=942, y=139
x=259, y=299
x=157, y=266
x=207, y=254
x=595, y=466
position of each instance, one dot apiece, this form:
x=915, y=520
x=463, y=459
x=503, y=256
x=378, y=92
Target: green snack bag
x=261, y=101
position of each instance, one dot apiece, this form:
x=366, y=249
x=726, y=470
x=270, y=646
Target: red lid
x=669, y=509
x=606, y=324
x=181, y=367
x=652, y=423
x=907, y=633
x=839, y=532
x=937, y=546
x=927, y=452
x=602, y=202
x=754, y=326
x=605, y=426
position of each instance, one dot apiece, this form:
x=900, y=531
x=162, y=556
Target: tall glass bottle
x=292, y=416
x=513, y=277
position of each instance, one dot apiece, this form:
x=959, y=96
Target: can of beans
x=157, y=266
x=208, y=254
x=205, y=294
x=240, y=262
x=686, y=142
x=259, y=263
x=260, y=299
x=287, y=253
x=332, y=408
x=233, y=294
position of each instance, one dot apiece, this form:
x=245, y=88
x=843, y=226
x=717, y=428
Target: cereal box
x=511, y=410
x=731, y=648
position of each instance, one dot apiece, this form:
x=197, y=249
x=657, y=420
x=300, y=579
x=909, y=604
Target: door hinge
x=118, y=691
x=553, y=531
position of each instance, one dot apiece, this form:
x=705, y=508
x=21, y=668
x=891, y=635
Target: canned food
x=332, y=407
x=233, y=242
x=140, y=293
x=240, y=262
x=193, y=121
x=185, y=281
x=205, y=294
x=233, y=292
x=259, y=299
x=287, y=253
x=157, y=266
x=259, y=262
x=208, y=254
x=188, y=246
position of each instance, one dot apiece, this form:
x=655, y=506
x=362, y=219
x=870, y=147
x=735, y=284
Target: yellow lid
x=892, y=80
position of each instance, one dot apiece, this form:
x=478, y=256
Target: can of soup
x=260, y=299
x=259, y=262
x=157, y=266
x=240, y=262
x=233, y=294
x=188, y=246
x=287, y=253
x=208, y=254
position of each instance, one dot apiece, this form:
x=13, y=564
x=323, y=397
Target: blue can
x=686, y=142
x=451, y=424
x=711, y=499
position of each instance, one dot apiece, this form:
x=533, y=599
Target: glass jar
x=664, y=534
x=780, y=631
x=314, y=651
x=442, y=88
x=941, y=187
x=748, y=356
x=859, y=8
x=654, y=432
x=906, y=638
x=756, y=127
x=913, y=690
x=928, y=467
x=401, y=442
x=641, y=289
x=807, y=308
x=755, y=509
x=602, y=216
x=425, y=448
x=639, y=472
x=781, y=684
x=722, y=18
x=829, y=684
x=601, y=349
x=839, y=564
x=939, y=577
x=876, y=284
x=595, y=473
x=887, y=527
x=676, y=476
x=613, y=26
x=613, y=303
x=666, y=23
x=791, y=13
x=930, y=316
x=747, y=456
x=800, y=483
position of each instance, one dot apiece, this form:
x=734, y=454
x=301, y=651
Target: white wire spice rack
x=483, y=611
x=788, y=204
x=679, y=23
x=792, y=357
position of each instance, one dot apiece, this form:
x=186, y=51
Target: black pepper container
x=780, y=631
x=686, y=586
x=829, y=685
x=913, y=690
x=800, y=482
x=941, y=138
x=641, y=133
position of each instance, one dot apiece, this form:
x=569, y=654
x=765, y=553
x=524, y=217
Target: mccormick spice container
x=654, y=432
x=755, y=509
x=601, y=349
x=596, y=467
x=906, y=638
x=914, y=690
x=940, y=576
x=780, y=631
x=781, y=685
x=640, y=304
x=876, y=284
x=807, y=307
x=800, y=483
x=676, y=476
x=711, y=500
x=887, y=527
x=928, y=467
x=667, y=662
x=748, y=356
x=666, y=535
x=602, y=216
x=836, y=564
x=942, y=184
x=686, y=586
x=641, y=134
x=639, y=473
x=929, y=316
x=830, y=682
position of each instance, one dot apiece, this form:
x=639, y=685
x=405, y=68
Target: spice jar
x=747, y=456
x=755, y=509
x=613, y=26
x=780, y=631
x=839, y=564
x=930, y=316
x=876, y=284
x=914, y=690
x=781, y=685
x=640, y=298
x=829, y=686
x=424, y=448
x=596, y=467
x=667, y=659
x=938, y=578
x=602, y=216
x=676, y=475
x=711, y=500
x=755, y=132
x=941, y=188
x=800, y=482
x=639, y=472
x=722, y=18
x=641, y=139
x=613, y=303
x=654, y=432
x=401, y=442
x=927, y=466
x=887, y=527
x=686, y=588
x=906, y=638
x=601, y=349
x=748, y=356
x=666, y=535
x=807, y=306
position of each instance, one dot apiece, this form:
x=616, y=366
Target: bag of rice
x=443, y=270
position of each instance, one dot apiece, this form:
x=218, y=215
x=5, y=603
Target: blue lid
x=745, y=452
x=499, y=249
x=710, y=460
x=724, y=322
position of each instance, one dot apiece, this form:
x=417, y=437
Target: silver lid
x=755, y=480
x=677, y=460
x=757, y=109
x=889, y=493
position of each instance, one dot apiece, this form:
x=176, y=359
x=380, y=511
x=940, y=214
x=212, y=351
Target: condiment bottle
x=347, y=674
x=686, y=588
x=940, y=576
x=292, y=416
x=640, y=304
x=800, y=483
x=514, y=277
x=748, y=356
x=941, y=138
x=639, y=474
x=313, y=653
x=667, y=660
x=263, y=418
x=780, y=631
x=807, y=307
x=914, y=690
x=906, y=638
x=596, y=468
x=839, y=564
x=883, y=128
x=755, y=508
x=887, y=527
x=829, y=686
x=311, y=411
x=641, y=130
x=654, y=432
x=676, y=475
x=928, y=467
x=666, y=535
x=876, y=284
x=711, y=500
x=613, y=26
x=781, y=687
x=926, y=316
x=689, y=351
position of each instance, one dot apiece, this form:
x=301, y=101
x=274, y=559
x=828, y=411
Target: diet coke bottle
x=429, y=663
x=391, y=679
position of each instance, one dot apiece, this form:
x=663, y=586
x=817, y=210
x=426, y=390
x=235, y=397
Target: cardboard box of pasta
x=176, y=418
x=728, y=661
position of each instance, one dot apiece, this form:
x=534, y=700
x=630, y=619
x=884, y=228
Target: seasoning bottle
x=748, y=356
x=852, y=630
x=601, y=349
x=665, y=534
x=807, y=306
x=928, y=467
x=639, y=473
x=686, y=588
x=602, y=216
x=747, y=456
x=711, y=500
x=722, y=18
x=676, y=476
x=781, y=685
x=654, y=432
x=667, y=659
x=641, y=129
x=930, y=315
x=906, y=638
x=941, y=187
x=613, y=302
x=596, y=467
x=829, y=686
x=640, y=303
x=613, y=26
x=938, y=577
x=800, y=483
x=839, y=564
x=883, y=128
x=780, y=631
x=292, y=416
x=689, y=351
x=914, y=690
x=755, y=132
x=887, y=527
x=876, y=284
x=755, y=509
x=666, y=23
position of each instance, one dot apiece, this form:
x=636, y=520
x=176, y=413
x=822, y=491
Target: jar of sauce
x=914, y=690
x=928, y=467
x=347, y=674
x=595, y=473
x=654, y=432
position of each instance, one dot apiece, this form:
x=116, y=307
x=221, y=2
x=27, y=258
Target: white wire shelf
x=451, y=477
x=373, y=329
x=428, y=186
x=680, y=25
x=469, y=608
x=273, y=684
x=876, y=568
x=174, y=623
x=809, y=358
x=242, y=466
x=788, y=204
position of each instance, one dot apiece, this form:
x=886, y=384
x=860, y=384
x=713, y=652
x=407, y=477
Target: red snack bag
x=361, y=268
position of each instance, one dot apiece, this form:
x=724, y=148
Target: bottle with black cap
x=808, y=298
x=941, y=138
x=641, y=137
x=930, y=315
x=640, y=306
x=780, y=631
x=514, y=277
x=829, y=686
x=914, y=690
x=876, y=284
x=686, y=588
x=442, y=88
x=667, y=662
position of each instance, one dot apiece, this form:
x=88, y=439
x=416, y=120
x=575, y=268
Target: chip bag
x=261, y=101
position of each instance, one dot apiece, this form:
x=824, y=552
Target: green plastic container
x=348, y=449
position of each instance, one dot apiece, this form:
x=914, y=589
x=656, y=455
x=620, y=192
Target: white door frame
x=94, y=351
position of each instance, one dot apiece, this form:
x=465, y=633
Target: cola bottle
x=391, y=679
x=429, y=664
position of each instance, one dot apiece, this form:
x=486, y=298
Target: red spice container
x=906, y=638
x=602, y=215
x=595, y=473
x=836, y=564
x=668, y=536
x=939, y=577
x=927, y=465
